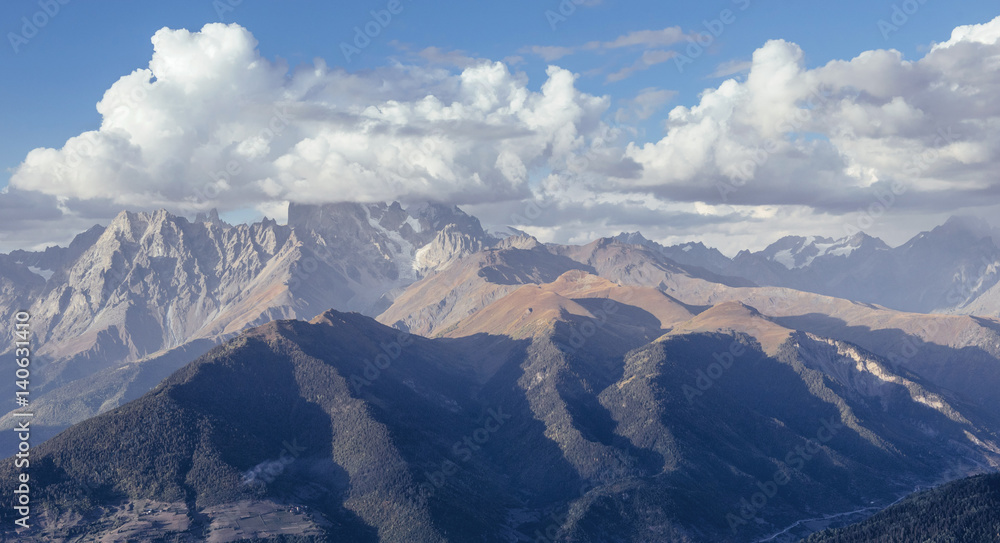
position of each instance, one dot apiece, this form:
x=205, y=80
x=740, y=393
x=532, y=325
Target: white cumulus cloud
x=835, y=136
x=211, y=123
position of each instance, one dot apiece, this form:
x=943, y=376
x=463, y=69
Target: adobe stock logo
x=31, y=26
x=700, y=42
x=796, y=459
x=900, y=16
x=566, y=9
x=363, y=35
x=707, y=377
x=372, y=369
x=578, y=335
x=463, y=450
x=269, y=470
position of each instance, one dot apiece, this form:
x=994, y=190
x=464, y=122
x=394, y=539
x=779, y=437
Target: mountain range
x=476, y=386
x=125, y=305
x=347, y=429
x=953, y=268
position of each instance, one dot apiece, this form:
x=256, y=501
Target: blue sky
x=53, y=81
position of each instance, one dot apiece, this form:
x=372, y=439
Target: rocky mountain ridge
x=149, y=284
x=124, y=305
x=651, y=423
x=953, y=268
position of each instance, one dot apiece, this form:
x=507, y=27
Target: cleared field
x=260, y=519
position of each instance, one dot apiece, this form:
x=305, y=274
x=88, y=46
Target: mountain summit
x=125, y=305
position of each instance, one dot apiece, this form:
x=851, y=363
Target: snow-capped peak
x=799, y=252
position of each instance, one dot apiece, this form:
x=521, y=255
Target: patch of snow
x=403, y=259
x=414, y=223
x=686, y=248
x=419, y=256
x=38, y=271
x=846, y=250
x=841, y=247
x=788, y=257
x=785, y=258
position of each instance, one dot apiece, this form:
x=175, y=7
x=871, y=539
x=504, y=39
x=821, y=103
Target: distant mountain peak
x=212, y=217
x=968, y=222
x=975, y=226
x=524, y=242
x=957, y=231
x=132, y=225
x=502, y=232
x=800, y=251
x=731, y=309
x=862, y=237
x=735, y=316
x=635, y=238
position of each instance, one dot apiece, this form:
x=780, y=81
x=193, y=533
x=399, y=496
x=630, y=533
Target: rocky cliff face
x=447, y=247
x=151, y=282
